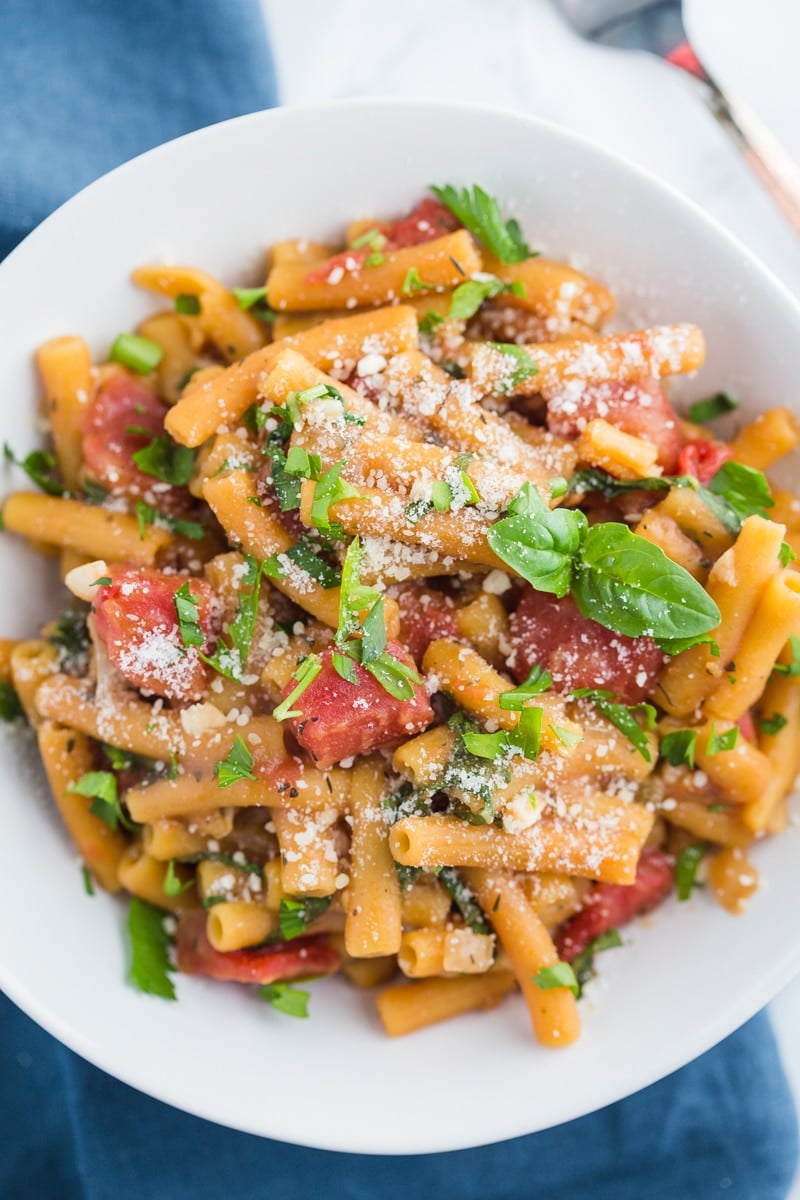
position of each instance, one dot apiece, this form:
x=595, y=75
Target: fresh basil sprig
x=618, y=579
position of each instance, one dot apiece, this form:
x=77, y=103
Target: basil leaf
x=480, y=214
x=10, y=706
x=629, y=585
x=344, y=665
x=149, y=943
x=743, y=489
x=486, y=745
x=230, y=660
x=101, y=788
x=539, y=543
x=468, y=297
x=373, y=634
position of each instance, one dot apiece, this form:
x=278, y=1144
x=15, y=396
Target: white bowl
x=216, y=199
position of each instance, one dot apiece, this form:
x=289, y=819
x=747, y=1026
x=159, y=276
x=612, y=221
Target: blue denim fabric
x=84, y=85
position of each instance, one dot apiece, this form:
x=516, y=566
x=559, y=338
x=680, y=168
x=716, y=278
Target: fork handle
x=761, y=150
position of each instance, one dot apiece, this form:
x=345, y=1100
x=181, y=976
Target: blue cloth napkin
x=84, y=85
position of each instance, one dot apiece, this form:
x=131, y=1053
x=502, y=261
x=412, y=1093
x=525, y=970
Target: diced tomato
x=425, y=614
x=340, y=719
x=346, y=261
x=301, y=958
x=747, y=726
x=578, y=652
x=640, y=409
x=427, y=220
x=123, y=404
x=135, y=617
x=609, y=905
x=702, y=458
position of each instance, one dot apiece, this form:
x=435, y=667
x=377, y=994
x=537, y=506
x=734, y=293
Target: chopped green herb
x=679, y=747
x=236, y=861
x=70, y=636
x=186, y=611
x=88, y=884
x=147, y=515
x=300, y=462
x=560, y=974
x=330, y=489
x=538, y=681
x=247, y=297
x=719, y=742
x=469, y=296
x=166, y=460
x=464, y=900
x=237, y=765
x=786, y=554
x=413, y=283
x=792, y=668
x=372, y=238
x=394, y=676
x=149, y=942
x=139, y=354
x=772, y=725
x=230, y=660
x=703, y=411
x=623, y=716
x=486, y=745
x=568, y=737
x=583, y=963
x=430, y=322
x=305, y=674
x=101, y=788
x=40, y=467
x=172, y=884
x=187, y=304
x=286, y=998
x=296, y=914
x=744, y=490
x=10, y=707
x=686, y=866
x=480, y=214
x=522, y=366
x=103, y=581
x=344, y=665
x=557, y=487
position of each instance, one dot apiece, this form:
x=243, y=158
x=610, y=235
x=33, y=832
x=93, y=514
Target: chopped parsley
x=70, y=637
x=538, y=681
x=231, y=660
x=88, y=883
x=187, y=304
x=703, y=411
x=469, y=296
x=792, y=668
x=464, y=900
x=719, y=742
x=679, y=747
x=254, y=301
x=186, y=611
x=772, y=725
x=623, y=716
x=172, y=884
x=583, y=963
x=164, y=459
x=149, y=943
x=558, y=975
x=101, y=788
x=237, y=765
x=40, y=467
x=297, y=913
x=305, y=553
x=413, y=283
x=147, y=515
x=286, y=998
x=480, y=214
x=686, y=866
x=522, y=366
x=330, y=489
x=304, y=676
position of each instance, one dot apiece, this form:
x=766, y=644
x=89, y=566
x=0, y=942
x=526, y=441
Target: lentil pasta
x=412, y=632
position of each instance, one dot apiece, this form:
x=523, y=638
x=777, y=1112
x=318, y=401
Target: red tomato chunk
x=578, y=652
x=428, y=220
x=610, y=905
x=123, y=404
x=301, y=958
x=702, y=458
x=136, y=619
x=425, y=615
x=640, y=409
x=341, y=719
